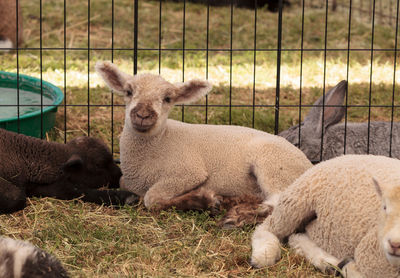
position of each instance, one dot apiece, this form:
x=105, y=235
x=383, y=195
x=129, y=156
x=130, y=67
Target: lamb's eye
x=129, y=93
x=384, y=207
x=167, y=99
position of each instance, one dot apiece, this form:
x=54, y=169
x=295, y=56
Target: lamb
x=342, y=213
x=21, y=259
x=8, y=24
x=333, y=139
x=33, y=167
x=189, y=166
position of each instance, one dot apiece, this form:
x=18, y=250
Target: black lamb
x=33, y=167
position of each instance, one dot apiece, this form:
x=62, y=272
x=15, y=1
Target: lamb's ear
x=377, y=187
x=332, y=115
x=113, y=77
x=190, y=91
x=74, y=163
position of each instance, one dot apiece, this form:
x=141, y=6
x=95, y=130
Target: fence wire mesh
x=267, y=68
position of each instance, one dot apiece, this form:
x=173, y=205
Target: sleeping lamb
x=333, y=136
x=344, y=213
x=20, y=259
x=189, y=166
x=34, y=167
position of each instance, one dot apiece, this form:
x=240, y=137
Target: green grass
x=93, y=241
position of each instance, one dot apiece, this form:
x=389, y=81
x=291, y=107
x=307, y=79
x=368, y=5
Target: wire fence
x=385, y=11
x=167, y=38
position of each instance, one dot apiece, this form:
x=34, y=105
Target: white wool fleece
x=341, y=211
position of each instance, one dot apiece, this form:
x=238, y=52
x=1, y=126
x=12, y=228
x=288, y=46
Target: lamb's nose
x=394, y=245
x=142, y=116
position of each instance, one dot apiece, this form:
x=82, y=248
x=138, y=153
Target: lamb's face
x=389, y=230
x=91, y=164
x=149, y=97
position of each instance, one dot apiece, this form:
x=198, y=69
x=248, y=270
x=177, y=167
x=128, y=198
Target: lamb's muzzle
x=143, y=117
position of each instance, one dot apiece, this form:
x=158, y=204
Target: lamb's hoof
x=253, y=265
x=214, y=203
x=231, y=221
x=332, y=270
x=344, y=262
x=266, y=262
x=132, y=200
x=341, y=265
x=214, y=211
x=157, y=208
x=264, y=210
x=227, y=224
x=127, y=198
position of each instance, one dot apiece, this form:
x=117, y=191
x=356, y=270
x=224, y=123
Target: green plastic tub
x=32, y=119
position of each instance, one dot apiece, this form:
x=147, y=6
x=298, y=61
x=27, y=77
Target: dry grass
x=94, y=241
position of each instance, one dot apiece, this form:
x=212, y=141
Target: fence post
x=394, y=79
x=278, y=68
x=17, y=53
x=370, y=75
x=135, y=37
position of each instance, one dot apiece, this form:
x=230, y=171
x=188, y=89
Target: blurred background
x=268, y=65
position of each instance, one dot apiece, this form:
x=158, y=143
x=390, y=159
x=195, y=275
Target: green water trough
x=27, y=110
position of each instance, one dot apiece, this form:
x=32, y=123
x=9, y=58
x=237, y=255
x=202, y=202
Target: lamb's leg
x=198, y=199
x=12, y=198
x=67, y=191
x=184, y=191
x=307, y=248
x=110, y=197
x=293, y=210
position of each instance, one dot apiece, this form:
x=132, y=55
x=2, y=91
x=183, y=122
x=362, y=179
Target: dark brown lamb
x=33, y=167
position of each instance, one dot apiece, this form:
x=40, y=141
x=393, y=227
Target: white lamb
x=172, y=163
x=349, y=211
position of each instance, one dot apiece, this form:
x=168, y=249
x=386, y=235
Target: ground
x=102, y=242
x=93, y=241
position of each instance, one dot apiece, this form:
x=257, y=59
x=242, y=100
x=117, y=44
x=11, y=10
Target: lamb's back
x=26, y=158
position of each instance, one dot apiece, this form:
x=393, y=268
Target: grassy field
x=94, y=241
